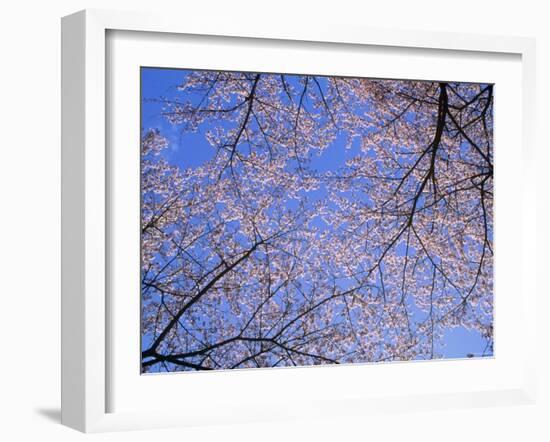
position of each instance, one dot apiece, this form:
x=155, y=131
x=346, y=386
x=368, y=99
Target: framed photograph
x=292, y=223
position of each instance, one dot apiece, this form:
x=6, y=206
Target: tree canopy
x=266, y=254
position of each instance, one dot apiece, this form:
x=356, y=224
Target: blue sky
x=191, y=150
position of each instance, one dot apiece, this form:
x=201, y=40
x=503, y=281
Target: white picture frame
x=85, y=306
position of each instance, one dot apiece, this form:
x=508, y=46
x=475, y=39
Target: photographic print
x=298, y=220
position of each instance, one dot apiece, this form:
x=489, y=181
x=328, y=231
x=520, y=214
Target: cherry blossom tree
x=258, y=257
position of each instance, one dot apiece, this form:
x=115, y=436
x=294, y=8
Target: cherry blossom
x=258, y=257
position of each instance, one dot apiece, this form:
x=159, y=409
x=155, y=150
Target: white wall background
x=30, y=216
